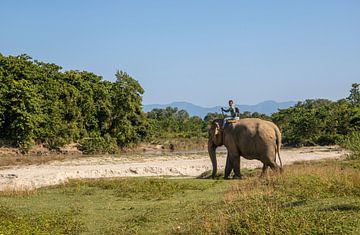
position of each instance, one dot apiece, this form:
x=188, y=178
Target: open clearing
x=28, y=177
x=312, y=197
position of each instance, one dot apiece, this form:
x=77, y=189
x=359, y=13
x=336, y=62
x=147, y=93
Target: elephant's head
x=215, y=140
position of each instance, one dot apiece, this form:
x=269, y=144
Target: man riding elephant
x=234, y=113
x=251, y=138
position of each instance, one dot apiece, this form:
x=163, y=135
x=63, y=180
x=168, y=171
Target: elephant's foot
x=275, y=167
x=264, y=171
x=263, y=175
x=237, y=177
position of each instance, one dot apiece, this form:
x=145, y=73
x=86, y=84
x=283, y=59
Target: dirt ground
x=192, y=164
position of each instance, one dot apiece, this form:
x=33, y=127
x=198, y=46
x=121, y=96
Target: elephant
x=251, y=138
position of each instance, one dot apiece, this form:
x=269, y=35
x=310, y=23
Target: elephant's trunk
x=212, y=154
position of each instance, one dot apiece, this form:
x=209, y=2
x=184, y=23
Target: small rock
x=133, y=171
x=9, y=176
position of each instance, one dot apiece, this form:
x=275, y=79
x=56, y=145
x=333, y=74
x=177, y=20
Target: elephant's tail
x=281, y=165
x=278, y=145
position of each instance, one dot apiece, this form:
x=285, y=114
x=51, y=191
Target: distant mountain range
x=266, y=107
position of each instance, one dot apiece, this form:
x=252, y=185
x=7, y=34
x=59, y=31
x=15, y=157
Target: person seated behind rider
x=233, y=113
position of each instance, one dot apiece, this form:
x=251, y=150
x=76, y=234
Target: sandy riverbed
x=167, y=164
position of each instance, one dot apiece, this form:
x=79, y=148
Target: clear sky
x=201, y=51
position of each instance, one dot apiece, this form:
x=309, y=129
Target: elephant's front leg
x=228, y=167
x=232, y=163
x=236, y=165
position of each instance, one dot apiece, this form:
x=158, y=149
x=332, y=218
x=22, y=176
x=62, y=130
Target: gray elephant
x=251, y=138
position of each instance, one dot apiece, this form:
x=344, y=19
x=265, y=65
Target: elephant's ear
x=217, y=128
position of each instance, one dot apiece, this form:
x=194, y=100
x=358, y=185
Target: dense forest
x=41, y=103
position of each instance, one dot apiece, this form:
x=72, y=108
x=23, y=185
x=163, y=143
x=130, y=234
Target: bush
x=352, y=143
x=105, y=144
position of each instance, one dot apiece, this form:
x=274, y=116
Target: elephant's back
x=256, y=134
x=255, y=126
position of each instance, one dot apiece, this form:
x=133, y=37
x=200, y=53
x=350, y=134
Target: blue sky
x=203, y=51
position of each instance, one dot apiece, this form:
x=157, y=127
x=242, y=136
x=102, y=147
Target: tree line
x=310, y=122
x=41, y=103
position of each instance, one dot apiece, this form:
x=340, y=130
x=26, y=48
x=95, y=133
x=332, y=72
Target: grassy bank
x=309, y=198
x=180, y=143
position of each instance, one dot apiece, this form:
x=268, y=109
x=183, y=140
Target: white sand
x=53, y=173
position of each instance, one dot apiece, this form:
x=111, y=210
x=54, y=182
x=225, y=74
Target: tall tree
x=354, y=96
x=129, y=123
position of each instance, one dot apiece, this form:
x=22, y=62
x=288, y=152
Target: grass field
x=308, y=198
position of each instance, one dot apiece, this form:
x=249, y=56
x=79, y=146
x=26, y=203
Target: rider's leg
x=225, y=121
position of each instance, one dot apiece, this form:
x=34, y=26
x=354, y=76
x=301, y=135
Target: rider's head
x=231, y=102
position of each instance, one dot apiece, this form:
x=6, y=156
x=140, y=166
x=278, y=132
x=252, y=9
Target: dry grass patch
x=308, y=198
x=10, y=192
x=15, y=160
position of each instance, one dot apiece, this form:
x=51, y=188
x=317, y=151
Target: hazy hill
x=267, y=107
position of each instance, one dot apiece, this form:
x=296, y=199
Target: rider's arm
x=226, y=110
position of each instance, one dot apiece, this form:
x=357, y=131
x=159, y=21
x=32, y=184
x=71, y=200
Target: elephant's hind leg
x=275, y=167
x=271, y=160
x=264, y=170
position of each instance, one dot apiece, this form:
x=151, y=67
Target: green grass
x=308, y=198
x=13, y=222
x=117, y=206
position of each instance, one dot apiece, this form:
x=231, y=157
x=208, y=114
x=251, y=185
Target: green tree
x=129, y=124
x=354, y=96
x=39, y=102
x=19, y=104
x=212, y=116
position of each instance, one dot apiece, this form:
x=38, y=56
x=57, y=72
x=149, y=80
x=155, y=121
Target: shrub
x=352, y=142
x=105, y=144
